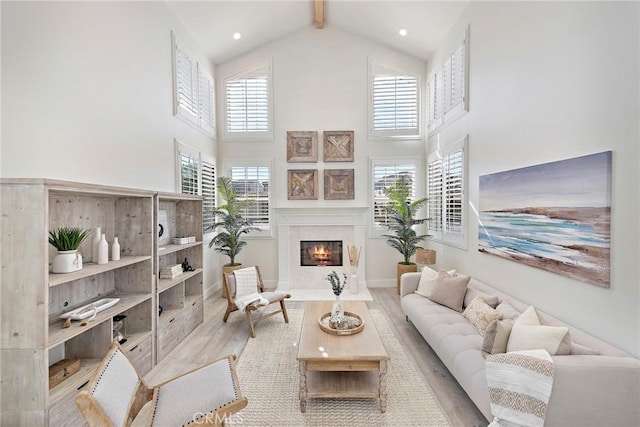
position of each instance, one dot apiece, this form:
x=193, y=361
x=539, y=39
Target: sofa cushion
x=507, y=310
x=496, y=336
x=492, y=300
x=480, y=314
x=449, y=291
x=528, y=334
x=428, y=278
x=583, y=349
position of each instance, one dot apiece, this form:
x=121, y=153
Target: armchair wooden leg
x=284, y=312
x=227, y=313
x=252, y=332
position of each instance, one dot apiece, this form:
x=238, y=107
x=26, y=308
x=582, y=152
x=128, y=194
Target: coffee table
x=341, y=365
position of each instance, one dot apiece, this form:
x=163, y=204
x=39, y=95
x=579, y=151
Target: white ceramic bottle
x=97, y=234
x=103, y=250
x=115, y=249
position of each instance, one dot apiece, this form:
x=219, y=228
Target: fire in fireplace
x=320, y=253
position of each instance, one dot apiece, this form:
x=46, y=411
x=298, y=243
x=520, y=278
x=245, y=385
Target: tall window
x=394, y=105
x=386, y=172
x=196, y=175
x=253, y=182
x=248, y=105
x=446, y=175
x=194, y=90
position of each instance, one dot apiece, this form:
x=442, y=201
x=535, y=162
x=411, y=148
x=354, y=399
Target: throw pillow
x=480, y=314
x=507, y=310
x=496, y=336
x=492, y=300
x=583, y=349
x=428, y=281
x=449, y=291
x=528, y=334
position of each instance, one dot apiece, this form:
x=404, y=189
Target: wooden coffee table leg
x=303, y=386
x=383, y=385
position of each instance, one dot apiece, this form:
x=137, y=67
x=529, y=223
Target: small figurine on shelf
x=186, y=266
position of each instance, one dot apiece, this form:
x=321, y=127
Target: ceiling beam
x=319, y=14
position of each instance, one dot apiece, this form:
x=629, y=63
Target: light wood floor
x=214, y=339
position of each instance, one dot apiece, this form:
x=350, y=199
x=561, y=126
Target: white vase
x=66, y=262
x=353, y=284
x=97, y=234
x=115, y=249
x=337, y=313
x=103, y=250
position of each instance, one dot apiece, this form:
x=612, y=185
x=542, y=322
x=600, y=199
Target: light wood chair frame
x=251, y=308
x=144, y=394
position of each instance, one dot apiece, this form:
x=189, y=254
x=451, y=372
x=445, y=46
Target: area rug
x=268, y=374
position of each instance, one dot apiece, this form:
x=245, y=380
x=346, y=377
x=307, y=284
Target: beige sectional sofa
x=588, y=390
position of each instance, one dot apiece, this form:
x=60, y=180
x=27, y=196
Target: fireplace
x=315, y=253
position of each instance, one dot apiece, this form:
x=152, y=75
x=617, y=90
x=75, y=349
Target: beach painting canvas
x=554, y=216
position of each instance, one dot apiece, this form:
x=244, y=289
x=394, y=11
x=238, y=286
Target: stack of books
x=170, y=271
x=183, y=240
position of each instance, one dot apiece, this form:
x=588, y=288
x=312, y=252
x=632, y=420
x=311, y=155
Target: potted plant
x=230, y=225
x=401, y=223
x=67, y=240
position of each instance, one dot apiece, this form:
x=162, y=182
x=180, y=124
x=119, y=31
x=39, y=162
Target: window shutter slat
x=394, y=103
x=252, y=183
x=384, y=175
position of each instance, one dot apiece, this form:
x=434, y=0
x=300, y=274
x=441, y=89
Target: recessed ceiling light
x=402, y=32
x=236, y=36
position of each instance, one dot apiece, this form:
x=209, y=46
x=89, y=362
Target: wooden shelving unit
x=32, y=335
x=180, y=298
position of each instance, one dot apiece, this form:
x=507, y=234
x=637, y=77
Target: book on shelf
x=184, y=240
x=170, y=271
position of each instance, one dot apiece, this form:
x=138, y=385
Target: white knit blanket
x=247, y=288
x=520, y=384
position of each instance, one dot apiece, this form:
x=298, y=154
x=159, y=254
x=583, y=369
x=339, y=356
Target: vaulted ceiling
x=212, y=23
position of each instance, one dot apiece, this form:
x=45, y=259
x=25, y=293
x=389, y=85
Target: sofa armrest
x=595, y=391
x=409, y=283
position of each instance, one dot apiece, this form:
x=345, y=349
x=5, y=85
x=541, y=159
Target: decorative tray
x=351, y=325
x=90, y=310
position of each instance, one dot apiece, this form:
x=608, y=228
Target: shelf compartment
x=91, y=269
x=75, y=382
x=169, y=249
x=164, y=284
x=58, y=334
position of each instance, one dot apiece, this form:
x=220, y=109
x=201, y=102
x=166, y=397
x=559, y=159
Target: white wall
x=87, y=95
x=320, y=83
x=550, y=81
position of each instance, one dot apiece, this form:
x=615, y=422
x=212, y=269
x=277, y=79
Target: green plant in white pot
x=67, y=240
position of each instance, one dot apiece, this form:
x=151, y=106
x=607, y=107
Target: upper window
x=252, y=181
x=447, y=87
x=248, y=105
x=446, y=175
x=196, y=175
x=194, y=91
x=386, y=172
x=394, y=104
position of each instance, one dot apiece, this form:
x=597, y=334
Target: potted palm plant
x=67, y=240
x=230, y=225
x=401, y=223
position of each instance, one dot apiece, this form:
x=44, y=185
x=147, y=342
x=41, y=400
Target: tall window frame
x=193, y=90
x=248, y=104
x=196, y=174
x=395, y=102
x=446, y=193
x=253, y=180
x=385, y=171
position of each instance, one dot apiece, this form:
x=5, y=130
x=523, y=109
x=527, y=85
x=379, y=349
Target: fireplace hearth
x=314, y=253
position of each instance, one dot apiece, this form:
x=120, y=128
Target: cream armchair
x=117, y=396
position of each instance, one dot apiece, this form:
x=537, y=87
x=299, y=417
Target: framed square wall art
x=554, y=216
x=302, y=184
x=338, y=184
x=338, y=146
x=302, y=146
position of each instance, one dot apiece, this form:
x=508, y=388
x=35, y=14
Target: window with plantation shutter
x=446, y=193
x=194, y=91
x=196, y=175
x=394, y=107
x=447, y=87
x=247, y=103
x=386, y=172
x=252, y=181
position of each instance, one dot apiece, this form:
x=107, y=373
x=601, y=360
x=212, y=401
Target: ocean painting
x=554, y=216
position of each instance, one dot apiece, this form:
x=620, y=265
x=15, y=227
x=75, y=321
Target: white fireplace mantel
x=330, y=223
